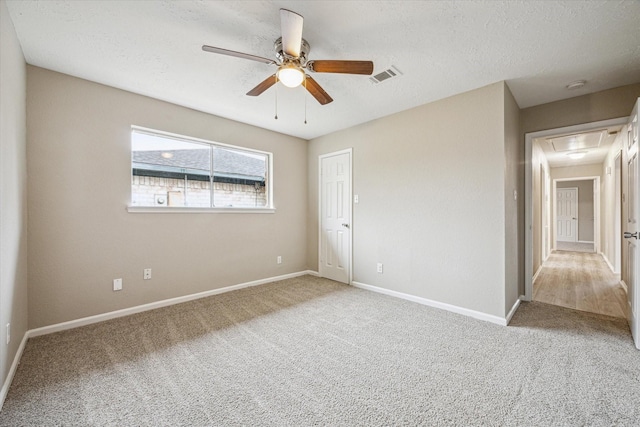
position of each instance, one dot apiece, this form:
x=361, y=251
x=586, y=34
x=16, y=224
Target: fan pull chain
x=276, y=116
x=306, y=92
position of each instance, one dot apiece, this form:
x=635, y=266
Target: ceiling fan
x=291, y=52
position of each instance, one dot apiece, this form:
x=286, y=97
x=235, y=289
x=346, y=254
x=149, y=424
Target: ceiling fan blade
x=316, y=90
x=228, y=52
x=291, y=27
x=264, y=85
x=346, y=67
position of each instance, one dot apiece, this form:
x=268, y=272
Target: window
x=176, y=172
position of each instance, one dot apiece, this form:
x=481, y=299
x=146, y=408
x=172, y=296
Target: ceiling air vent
x=385, y=75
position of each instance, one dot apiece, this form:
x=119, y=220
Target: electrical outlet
x=117, y=284
x=8, y=333
x=147, y=274
x=279, y=259
x=379, y=268
x=356, y=199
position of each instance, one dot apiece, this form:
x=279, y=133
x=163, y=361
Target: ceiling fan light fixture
x=290, y=75
x=577, y=155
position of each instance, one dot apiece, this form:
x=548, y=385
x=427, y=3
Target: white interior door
x=335, y=216
x=631, y=226
x=567, y=214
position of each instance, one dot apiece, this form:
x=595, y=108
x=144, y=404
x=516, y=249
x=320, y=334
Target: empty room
x=319, y=213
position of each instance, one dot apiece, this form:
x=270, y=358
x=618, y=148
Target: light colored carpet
x=575, y=247
x=309, y=351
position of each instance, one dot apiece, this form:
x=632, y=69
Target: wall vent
x=385, y=75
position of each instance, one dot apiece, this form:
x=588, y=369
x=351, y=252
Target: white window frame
x=183, y=209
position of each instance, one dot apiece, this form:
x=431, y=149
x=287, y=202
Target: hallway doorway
x=574, y=271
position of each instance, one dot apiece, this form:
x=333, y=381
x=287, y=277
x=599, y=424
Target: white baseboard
x=158, y=304
x=585, y=241
x=624, y=286
x=513, y=310
x=12, y=370
x=436, y=304
x=535, y=276
x=606, y=260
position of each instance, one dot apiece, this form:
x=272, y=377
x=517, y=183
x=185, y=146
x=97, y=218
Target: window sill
x=153, y=209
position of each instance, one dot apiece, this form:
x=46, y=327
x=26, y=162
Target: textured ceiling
x=442, y=48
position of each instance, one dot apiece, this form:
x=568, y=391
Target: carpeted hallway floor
x=309, y=351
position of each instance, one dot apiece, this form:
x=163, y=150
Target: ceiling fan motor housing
x=282, y=57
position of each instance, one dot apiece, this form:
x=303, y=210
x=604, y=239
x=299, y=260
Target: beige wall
x=514, y=207
x=607, y=104
x=444, y=241
x=13, y=197
x=81, y=239
x=540, y=168
x=576, y=171
x=611, y=236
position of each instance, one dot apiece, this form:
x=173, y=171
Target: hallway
x=581, y=281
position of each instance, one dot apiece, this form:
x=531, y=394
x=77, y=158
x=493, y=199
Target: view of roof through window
x=169, y=171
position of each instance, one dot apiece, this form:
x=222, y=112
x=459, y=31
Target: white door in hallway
x=631, y=229
x=567, y=214
x=335, y=216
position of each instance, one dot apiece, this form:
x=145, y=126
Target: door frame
x=596, y=210
x=350, y=189
x=528, y=189
x=545, y=217
x=554, y=214
x=617, y=214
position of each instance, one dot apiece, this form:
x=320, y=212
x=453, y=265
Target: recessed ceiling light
x=167, y=155
x=577, y=154
x=576, y=85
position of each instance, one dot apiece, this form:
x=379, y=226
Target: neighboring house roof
x=225, y=162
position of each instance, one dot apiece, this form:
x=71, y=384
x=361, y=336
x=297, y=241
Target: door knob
x=345, y=225
x=628, y=235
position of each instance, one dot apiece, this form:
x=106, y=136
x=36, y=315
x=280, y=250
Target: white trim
x=158, y=304
x=269, y=176
x=528, y=188
x=606, y=260
x=535, y=276
x=437, y=304
x=320, y=158
x=12, y=370
x=585, y=241
x=513, y=310
x=624, y=286
x=182, y=209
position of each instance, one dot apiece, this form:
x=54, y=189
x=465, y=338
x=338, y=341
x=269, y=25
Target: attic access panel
x=577, y=141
